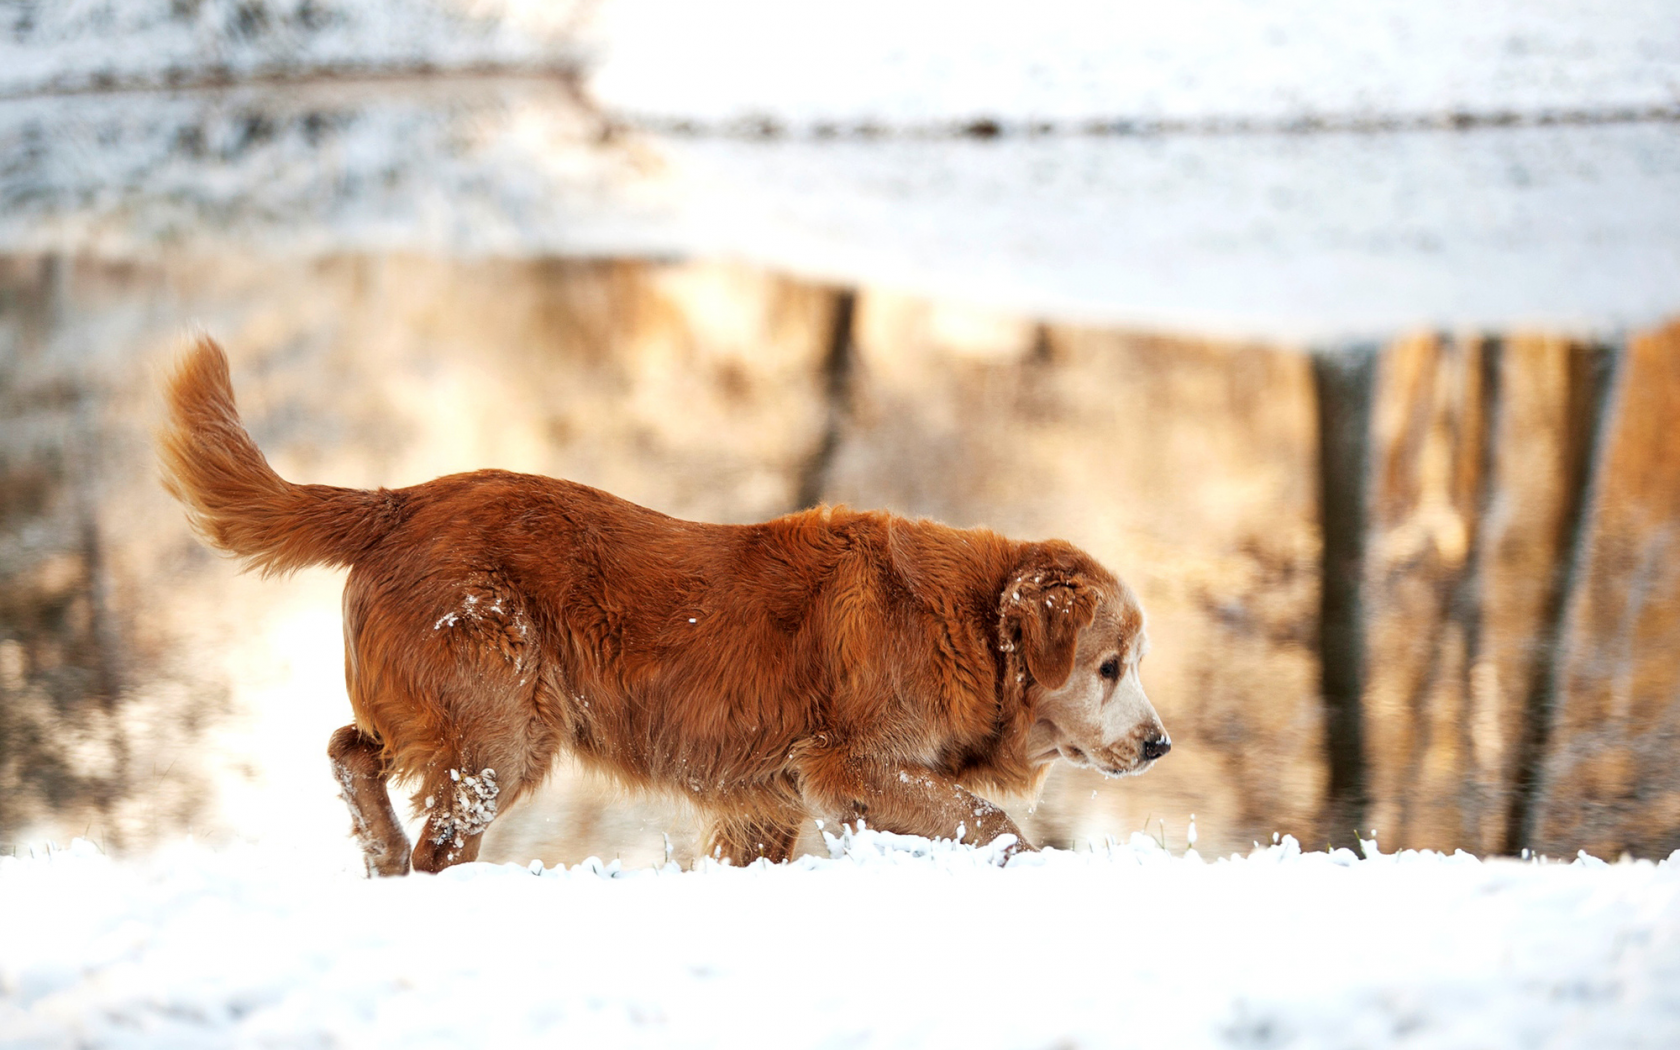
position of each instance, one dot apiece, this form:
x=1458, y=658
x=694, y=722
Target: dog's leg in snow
x=459, y=802
x=904, y=799
x=360, y=771
x=742, y=840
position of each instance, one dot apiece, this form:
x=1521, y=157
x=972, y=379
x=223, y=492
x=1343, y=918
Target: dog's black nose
x=1153, y=749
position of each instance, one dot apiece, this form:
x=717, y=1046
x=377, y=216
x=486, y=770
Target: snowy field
x=1406, y=164
x=890, y=942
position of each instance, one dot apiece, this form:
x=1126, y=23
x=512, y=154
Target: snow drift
x=888, y=942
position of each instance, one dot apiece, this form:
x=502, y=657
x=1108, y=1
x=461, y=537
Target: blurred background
x=1345, y=333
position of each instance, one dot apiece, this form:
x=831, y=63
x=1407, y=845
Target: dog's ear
x=1042, y=615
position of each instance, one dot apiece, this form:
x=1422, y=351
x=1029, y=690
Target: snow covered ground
x=1295, y=237
x=891, y=942
x=937, y=63
x=1217, y=166
x=932, y=65
x=98, y=45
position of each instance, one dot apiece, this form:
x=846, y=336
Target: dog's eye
x=1110, y=668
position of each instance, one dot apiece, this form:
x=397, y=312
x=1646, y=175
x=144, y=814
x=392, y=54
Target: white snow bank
x=81, y=45
x=896, y=65
x=1566, y=221
x=893, y=942
x=1295, y=237
x=892, y=64
x=1299, y=237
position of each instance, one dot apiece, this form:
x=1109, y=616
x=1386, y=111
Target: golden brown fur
x=853, y=665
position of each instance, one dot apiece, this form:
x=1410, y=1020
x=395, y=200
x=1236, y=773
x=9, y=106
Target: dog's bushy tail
x=236, y=501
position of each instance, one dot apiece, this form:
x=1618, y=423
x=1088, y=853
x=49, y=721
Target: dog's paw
x=1007, y=847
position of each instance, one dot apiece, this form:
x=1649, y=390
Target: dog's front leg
x=908, y=800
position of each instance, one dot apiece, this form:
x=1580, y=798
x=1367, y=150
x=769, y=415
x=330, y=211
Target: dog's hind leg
x=459, y=804
x=360, y=769
x=462, y=794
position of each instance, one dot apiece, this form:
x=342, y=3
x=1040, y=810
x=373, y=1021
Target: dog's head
x=1078, y=636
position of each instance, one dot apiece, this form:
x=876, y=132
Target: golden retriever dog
x=829, y=663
